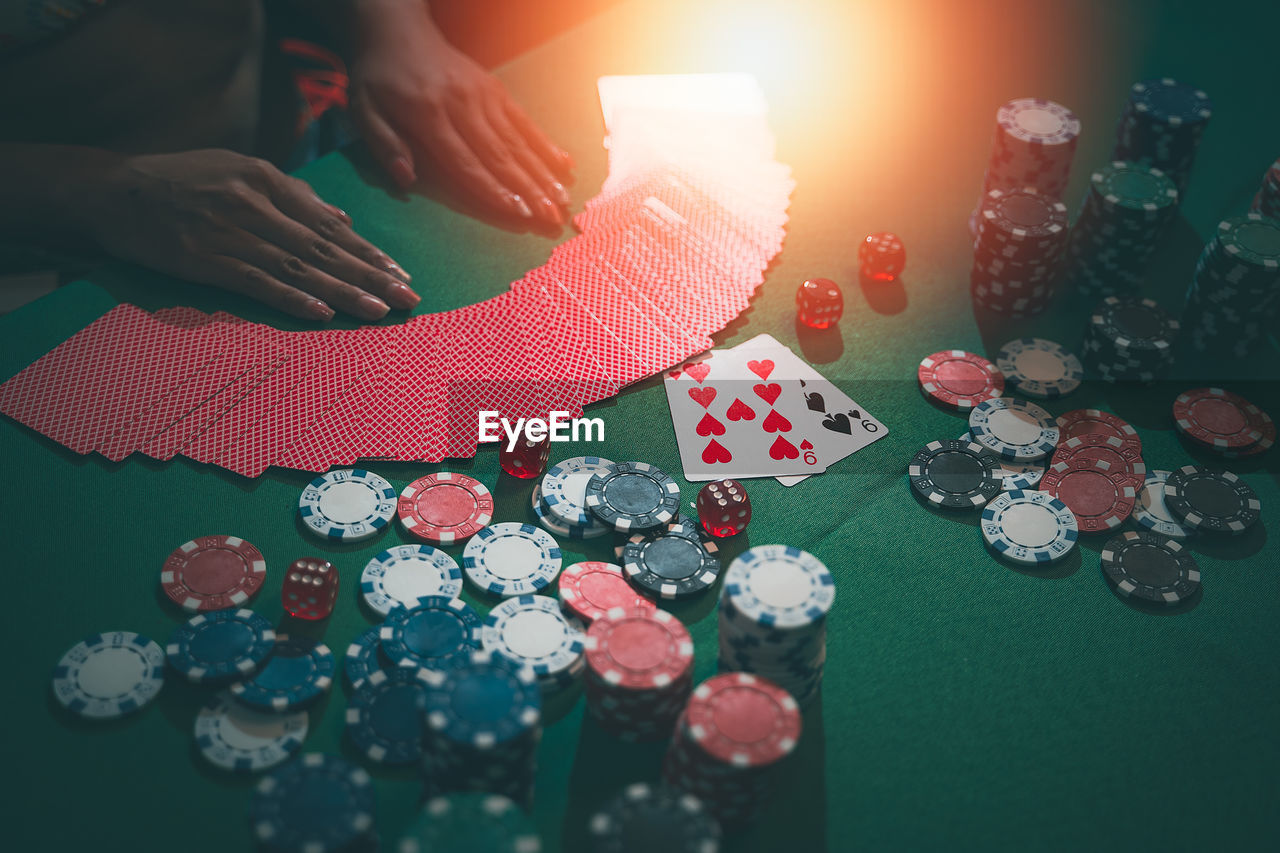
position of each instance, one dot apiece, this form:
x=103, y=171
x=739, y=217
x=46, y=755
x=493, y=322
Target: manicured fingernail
x=340, y=213
x=553, y=212
x=402, y=297
x=519, y=206
x=396, y=270
x=402, y=172
x=568, y=161
x=317, y=310
x=562, y=195
x=372, y=307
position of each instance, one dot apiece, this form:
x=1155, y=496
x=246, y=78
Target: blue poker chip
x=564, y=488
x=222, y=645
x=299, y=671
x=593, y=530
x=633, y=496
x=318, y=803
x=365, y=657
x=1029, y=528
x=509, y=559
x=483, y=701
x=1014, y=429
x=384, y=715
x=350, y=504
x=431, y=633
x=109, y=675
x=672, y=562
x=1040, y=368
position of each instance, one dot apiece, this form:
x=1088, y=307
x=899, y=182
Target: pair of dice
x=881, y=258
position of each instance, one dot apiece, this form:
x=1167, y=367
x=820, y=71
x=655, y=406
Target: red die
x=882, y=256
x=310, y=588
x=528, y=459
x=724, y=508
x=819, y=302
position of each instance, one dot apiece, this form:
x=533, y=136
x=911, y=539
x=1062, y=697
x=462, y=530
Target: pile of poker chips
x=1130, y=340
x=533, y=631
x=644, y=818
x=465, y=822
x=1235, y=292
x=1223, y=422
x=1033, y=146
x=773, y=617
x=672, y=561
x=729, y=743
x=1267, y=200
x=1021, y=235
x=639, y=672
x=483, y=723
x=316, y=802
x=1127, y=210
x=1161, y=125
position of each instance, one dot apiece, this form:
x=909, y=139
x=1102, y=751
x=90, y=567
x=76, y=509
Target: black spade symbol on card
x=815, y=402
x=839, y=422
x=855, y=414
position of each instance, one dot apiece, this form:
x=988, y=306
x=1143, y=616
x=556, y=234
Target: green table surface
x=967, y=704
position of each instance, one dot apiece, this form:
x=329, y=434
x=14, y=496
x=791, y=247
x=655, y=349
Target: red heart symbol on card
x=761, y=368
x=702, y=396
x=740, y=411
x=783, y=449
x=768, y=393
x=674, y=374
x=709, y=426
x=806, y=445
x=774, y=422
x=716, y=452
x=698, y=371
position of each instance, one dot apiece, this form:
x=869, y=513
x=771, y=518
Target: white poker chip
x=350, y=504
x=399, y=576
x=1014, y=429
x=234, y=737
x=553, y=525
x=1150, y=511
x=109, y=675
x=510, y=558
x=532, y=630
x=564, y=489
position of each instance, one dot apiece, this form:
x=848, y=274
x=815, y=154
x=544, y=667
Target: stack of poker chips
x=773, y=617
x=1021, y=236
x=1236, y=288
x=730, y=742
x=639, y=672
x=1267, y=201
x=1161, y=126
x=1128, y=209
x=482, y=728
x=1033, y=145
x=648, y=818
x=1129, y=340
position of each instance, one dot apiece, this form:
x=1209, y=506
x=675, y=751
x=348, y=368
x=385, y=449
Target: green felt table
x=967, y=704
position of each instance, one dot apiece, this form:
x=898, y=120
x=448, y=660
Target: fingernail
x=568, y=161
x=317, y=310
x=372, y=307
x=402, y=172
x=396, y=270
x=562, y=195
x=402, y=297
x=333, y=208
x=519, y=206
x=552, y=211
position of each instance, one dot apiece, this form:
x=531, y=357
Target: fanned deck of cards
x=672, y=249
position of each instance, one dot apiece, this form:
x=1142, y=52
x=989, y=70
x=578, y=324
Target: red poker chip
x=743, y=720
x=959, y=379
x=1100, y=495
x=1082, y=422
x=1108, y=448
x=590, y=588
x=1267, y=429
x=213, y=573
x=445, y=508
x=1217, y=419
x=638, y=648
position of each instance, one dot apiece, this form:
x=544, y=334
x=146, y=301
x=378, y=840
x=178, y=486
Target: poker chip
x=959, y=379
x=564, y=489
x=1100, y=495
x=779, y=586
x=109, y=675
x=315, y=803
x=743, y=720
x=1029, y=528
x=431, y=633
x=467, y=822
x=955, y=474
x=1216, y=419
x=511, y=559
x=483, y=701
x=399, y=576
x=1039, y=368
x=633, y=496
x=352, y=505
x=591, y=588
x=1214, y=501
x=221, y=645
x=532, y=631
x=671, y=562
x=1266, y=428
x=213, y=573
x=594, y=530
x=638, y=648
x=645, y=818
x=1233, y=287
x=384, y=713
x=444, y=508
x=364, y=656
x=1100, y=447
x=1014, y=429
x=299, y=671
x=234, y=737
x=1151, y=567
x=1130, y=339
x=1080, y=422
x=1150, y=511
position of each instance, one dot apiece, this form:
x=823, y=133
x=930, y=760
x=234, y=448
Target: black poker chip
x=1150, y=567
x=672, y=562
x=955, y=474
x=1214, y=501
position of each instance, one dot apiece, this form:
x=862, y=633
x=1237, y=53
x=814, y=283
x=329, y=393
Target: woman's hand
x=414, y=96
x=226, y=220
